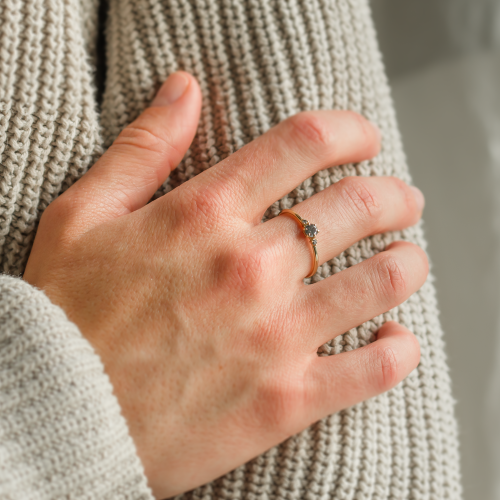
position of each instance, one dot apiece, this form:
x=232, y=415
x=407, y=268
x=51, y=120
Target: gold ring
x=310, y=231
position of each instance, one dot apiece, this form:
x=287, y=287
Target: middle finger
x=275, y=163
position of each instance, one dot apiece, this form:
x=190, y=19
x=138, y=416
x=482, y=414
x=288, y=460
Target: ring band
x=310, y=231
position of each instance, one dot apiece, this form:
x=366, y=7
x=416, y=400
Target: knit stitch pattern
x=48, y=123
x=61, y=431
x=257, y=62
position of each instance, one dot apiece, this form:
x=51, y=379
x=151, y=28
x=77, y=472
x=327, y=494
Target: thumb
x=125, y=178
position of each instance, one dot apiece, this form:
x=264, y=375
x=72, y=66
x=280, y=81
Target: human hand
x=199, y=311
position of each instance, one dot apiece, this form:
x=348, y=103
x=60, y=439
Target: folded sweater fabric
x=257, y=61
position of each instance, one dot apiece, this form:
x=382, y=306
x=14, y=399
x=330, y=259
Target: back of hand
x=199, y=311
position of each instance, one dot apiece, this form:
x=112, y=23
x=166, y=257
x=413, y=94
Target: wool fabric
x=257, y=62
x=61, y=431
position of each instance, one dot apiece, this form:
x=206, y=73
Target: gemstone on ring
x=311, y=230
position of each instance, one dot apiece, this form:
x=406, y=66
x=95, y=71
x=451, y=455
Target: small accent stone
x=305, y=222
x=314, y=242
x=311, y=230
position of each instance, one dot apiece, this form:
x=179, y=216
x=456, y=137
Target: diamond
x=311, y=230
x=314, y=241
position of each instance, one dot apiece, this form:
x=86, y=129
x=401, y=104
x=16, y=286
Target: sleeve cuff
x=62, y=433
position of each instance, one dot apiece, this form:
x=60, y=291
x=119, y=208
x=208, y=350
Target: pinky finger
x=337, y=382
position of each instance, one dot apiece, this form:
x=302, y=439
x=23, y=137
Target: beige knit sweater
x=257, y=61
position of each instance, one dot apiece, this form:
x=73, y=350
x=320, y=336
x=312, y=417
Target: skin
x=191, y=302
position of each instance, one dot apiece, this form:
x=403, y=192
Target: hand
x=199, y=311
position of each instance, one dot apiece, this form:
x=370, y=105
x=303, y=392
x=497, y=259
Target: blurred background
x=443, y=61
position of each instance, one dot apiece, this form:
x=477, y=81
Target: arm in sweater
x=61, y=431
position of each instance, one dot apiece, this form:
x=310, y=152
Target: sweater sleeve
x=61, y=431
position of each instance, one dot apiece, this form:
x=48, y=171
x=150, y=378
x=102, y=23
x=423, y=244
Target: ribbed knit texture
x=257, y=61
x=61, y=431
x=48, y=123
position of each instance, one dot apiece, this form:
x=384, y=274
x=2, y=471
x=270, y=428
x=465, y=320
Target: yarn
x=61, y=431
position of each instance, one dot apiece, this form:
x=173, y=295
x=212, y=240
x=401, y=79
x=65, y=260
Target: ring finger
x=346, y=212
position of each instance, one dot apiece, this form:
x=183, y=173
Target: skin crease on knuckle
x=310, y=129
x=362, y=203
x=312, y=135
x=197, y=311
x=390, y=362
x=393, y=277
x=387, y=359
x=140, y=136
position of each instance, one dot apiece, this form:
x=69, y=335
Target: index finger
x=274, y=164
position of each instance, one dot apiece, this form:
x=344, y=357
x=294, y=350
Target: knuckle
x=361, y=200
x=388, y=366
x=203, y=207
x=137, y=135
x=310, y=128
x=393, y=277
x=278, y=402
x=246, y=271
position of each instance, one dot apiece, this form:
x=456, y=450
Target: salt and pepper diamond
x=311, y=230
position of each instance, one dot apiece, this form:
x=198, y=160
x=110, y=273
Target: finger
x=363, y=291
x=142, y=156
x=346, y=212
x=277, y=162
x=340, y=381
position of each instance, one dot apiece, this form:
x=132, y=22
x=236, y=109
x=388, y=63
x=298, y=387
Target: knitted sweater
x=258, y=62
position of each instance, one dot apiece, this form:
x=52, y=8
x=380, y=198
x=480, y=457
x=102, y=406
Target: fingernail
x=173, y=88
x=377, y=131
x=419, y=197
